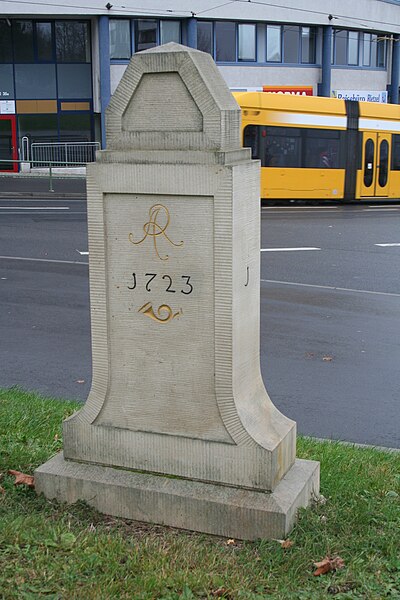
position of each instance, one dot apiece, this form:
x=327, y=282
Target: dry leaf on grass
x=230, y=542
x=285, y=544
x=22, y=478
x=2, y=490
x=328, y=564
x=220, y=593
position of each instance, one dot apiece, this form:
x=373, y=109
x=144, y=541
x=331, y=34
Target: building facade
x=60, y=64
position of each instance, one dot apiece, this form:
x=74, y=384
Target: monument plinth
x=178, y=428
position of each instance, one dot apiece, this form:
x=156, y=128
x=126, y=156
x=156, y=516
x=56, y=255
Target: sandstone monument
x=178, y=428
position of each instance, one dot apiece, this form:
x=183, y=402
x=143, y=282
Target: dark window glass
x=72, y=41
x=381, y=53
x=5, y=41
x=322, y=149
x=145, y=34
x=251, y=139
x=170, y=31
x=6, y=145
x=23, y=41
x=374, y=47
x=383, y=163
x=340, y=47
x=247, y=41
x=44, y=42
x=225, y=40
x=38, y=128
x=291, y=35
x=75, y=127
x=120, y=38
x=291, y=147
x=369, y=162
x=274, y=52
x=205, y=37
x=308, y=45
x=396, y=152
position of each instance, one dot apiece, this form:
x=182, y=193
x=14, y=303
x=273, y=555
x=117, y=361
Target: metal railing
x=6, y=169
x=62, y=154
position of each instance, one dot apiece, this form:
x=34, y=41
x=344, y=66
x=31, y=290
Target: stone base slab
x=215, y=509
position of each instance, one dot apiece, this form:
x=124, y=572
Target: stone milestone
x=178, y=428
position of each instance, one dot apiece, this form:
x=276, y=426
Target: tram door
x=375, y=164
x=8, y=144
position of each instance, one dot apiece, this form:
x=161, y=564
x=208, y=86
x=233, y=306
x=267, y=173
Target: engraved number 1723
x=187, y=287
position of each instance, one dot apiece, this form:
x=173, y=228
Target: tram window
x=281, y=147
x=251, y=139
x=369, y=162
x=322, y=149
x=383, y=162
x=396, y=152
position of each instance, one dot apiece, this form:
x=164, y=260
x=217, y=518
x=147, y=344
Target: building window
x=5, y=41
x=145, y=34
x=23, y=41
x=170, y=31
x=367, y=50
x=380, y=51
x=120, y=38
x=353, y=48
x=72, y=42
x=225, y=41
x=345, y=44
x=44, y=42
x=274, y=52
x=308, y=36
x=247, y=42
x=291, y=43
x=205, y=37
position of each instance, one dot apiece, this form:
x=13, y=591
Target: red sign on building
x=299, y=90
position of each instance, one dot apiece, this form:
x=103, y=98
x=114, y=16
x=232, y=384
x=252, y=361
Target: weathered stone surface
x=174, y=250
x=216, y=509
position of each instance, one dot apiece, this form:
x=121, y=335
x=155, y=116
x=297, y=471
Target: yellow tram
x=314, y=148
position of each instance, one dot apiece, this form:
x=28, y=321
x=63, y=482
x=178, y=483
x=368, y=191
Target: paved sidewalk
x=26, y=185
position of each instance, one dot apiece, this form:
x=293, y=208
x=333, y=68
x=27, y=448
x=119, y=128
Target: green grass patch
x=55, y=551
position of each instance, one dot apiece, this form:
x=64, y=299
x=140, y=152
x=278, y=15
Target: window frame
x=129, y=22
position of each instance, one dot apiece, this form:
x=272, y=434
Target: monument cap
x=172, y=98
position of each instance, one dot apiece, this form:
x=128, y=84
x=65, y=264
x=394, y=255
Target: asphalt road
x=330, y=312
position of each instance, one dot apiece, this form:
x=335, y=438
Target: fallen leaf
x=327, y=358
x=328, y=564
x=230, y=542
x=80, y=381
x=285, y=544
x=220, y=593
x=56, y=437
x=22, y=478
x=2, y=490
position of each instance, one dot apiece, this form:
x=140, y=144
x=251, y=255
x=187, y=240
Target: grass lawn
x=66, y=552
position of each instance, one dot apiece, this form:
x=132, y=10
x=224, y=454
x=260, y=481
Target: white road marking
x=386, y=209
x=34, y=207
x=82, y=253
x=286, y=249
x=48, y=260
x=293, y=206
x=386, y=245
x=329, y=287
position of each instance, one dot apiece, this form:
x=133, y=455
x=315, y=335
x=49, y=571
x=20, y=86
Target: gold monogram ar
x=156, y=226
